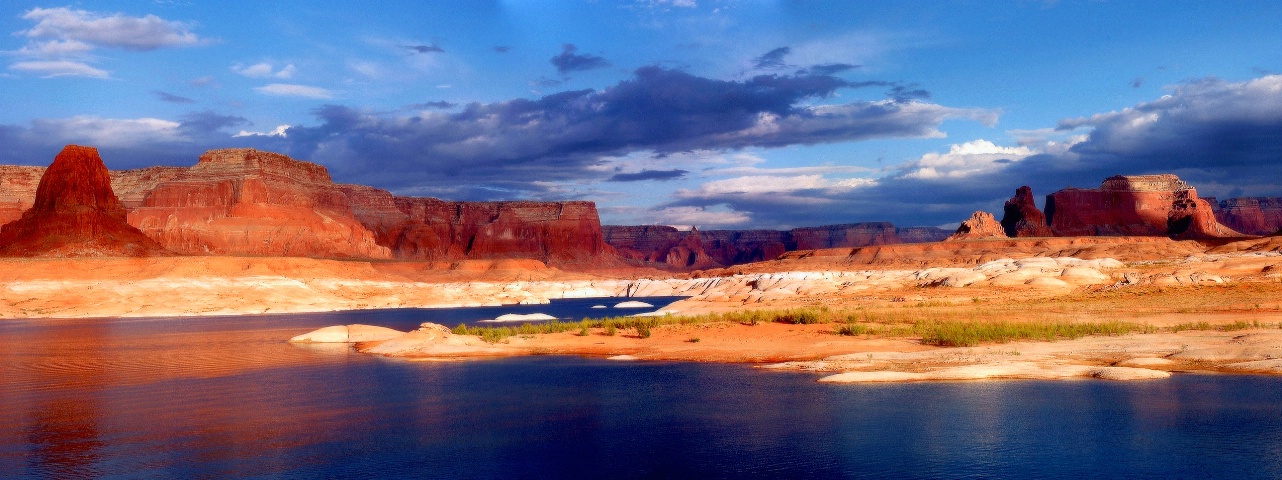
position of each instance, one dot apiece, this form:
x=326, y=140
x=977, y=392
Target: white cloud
x=107, y=132
x=264, y=70
x=59, y=68
x=115, y=30
x=55, y=48
x=686, y=217
x=774, y=184
x=291, y=90
x=279, y=131
x=967, y=159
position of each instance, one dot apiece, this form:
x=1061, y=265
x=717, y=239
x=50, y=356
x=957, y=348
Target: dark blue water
x=180, y=398
x=569, y=309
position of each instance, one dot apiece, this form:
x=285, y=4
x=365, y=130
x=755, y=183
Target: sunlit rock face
x=979, y=225
x=557, y=233
x=75, y=213
x=1139, y=205
x=249, y=202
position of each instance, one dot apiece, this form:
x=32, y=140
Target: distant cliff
x=696, y=249
x=1143, y=205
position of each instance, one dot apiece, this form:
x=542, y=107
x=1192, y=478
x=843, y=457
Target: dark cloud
x=904, y=93
x=568, y=61
x=203, y=124
x=424, y=48
x=648, y=175
x=827, y=69
x=558, y=136
x=1224, y=138
x=439, y=105
x=502, y=49
x=773, y=59
x=1138, y=82
x=171, y=98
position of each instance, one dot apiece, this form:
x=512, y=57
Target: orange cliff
x=556, y=233
x=250, y=202
x=75, y=213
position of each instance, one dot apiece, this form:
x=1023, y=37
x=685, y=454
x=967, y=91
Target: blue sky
x=716, y=113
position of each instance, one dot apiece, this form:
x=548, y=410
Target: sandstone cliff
x=1143, y=205
x=17, y=190
x=249, y=202
x=979, y=225
x=1250, y=215
x=558, y=233
x=1021, y=217
x=75, y=213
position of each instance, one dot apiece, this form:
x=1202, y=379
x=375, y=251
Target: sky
x=711, y=113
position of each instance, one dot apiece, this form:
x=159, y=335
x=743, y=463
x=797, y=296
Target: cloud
x=563, y=136
x=965, y=160
x=827, y=69
x=264, y=70
x=59, y=68
x=502, y=49
x=108, y=30
x=644, y=175
x=291, y=90
x=279, y=131
x=438, y=105
x=1220, y=136
x=107, y=132
x=568, y=61
x=772, y=59
x=686, y=217
x=171, y=98
x=62, y=40
x=424, y=48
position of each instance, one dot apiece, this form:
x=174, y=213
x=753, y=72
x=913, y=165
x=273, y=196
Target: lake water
x=227, y=397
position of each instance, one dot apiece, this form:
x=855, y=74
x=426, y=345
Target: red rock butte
x=1134, y=205
x=75, y=213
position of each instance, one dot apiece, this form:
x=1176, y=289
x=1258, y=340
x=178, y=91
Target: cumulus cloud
x=686, y=217
x=965, y=160
x=62, y=40
x=279, y=131
x=568, y=61
x=292, y=90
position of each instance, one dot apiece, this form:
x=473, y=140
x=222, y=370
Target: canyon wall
x=698, y=249
x=1250, y=215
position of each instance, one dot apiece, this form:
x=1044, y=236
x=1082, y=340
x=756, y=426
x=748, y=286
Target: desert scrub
x=969, y=334
x=852, y=330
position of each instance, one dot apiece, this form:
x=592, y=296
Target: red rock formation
x=75, y=213
x=1251, y=215
x=689, y=254
x=17, y=190
x=979, y=225
x=1021, y=217
x=249, y=202
x=1142, y=205
x=850, y=235
x=559, y=233
x=132, y=186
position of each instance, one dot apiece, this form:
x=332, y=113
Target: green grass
x=969, y=334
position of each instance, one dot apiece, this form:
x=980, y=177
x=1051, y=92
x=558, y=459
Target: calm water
x=216, y=397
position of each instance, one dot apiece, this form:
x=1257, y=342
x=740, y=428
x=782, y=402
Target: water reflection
x=227, y=397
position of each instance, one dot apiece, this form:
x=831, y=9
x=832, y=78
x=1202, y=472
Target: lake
x=227, y=397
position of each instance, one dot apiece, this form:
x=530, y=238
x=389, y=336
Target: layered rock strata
x=17, y=190
x=75, y=213
x=1143, y=205
x=655, y=244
